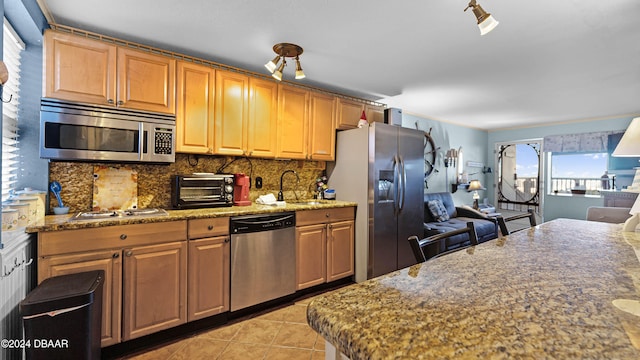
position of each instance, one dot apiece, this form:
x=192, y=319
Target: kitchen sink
x=307, y=202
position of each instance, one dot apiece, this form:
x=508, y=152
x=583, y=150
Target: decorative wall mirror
x=519, y=174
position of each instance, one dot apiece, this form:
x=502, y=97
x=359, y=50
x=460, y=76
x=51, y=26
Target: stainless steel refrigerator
x=381, y=167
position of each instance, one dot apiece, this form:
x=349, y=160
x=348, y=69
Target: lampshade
x=487, y=25
x=475, y=185
x=272, y=64
x=629, y=145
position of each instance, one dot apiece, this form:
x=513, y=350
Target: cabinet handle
x=210, y=227
x=327, y=215
x=120, y=102
x=116, y=255
x=123, y=237
x=227, y=239
x=110, y=101
x=129, y=253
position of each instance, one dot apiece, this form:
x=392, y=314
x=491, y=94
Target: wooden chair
x=418, y=245
x=502, y=221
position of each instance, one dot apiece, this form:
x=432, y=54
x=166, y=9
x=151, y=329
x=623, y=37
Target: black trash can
x=63, y=317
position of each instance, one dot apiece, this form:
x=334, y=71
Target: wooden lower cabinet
x=208, y=288
x=110, y=262
x=155, y=288
x=340, y=250
x=311, y=255
x=324, y=246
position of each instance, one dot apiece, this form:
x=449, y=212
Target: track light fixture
x=486, y=22
x=283, y=51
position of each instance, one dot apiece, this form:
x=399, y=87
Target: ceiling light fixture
x=285, y=50
x=486, y=22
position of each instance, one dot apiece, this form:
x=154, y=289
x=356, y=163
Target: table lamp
x=629, y=145
x=474, y=186
x=633, y=223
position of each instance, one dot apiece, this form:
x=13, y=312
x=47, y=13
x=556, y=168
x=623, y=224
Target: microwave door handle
x=142, y=142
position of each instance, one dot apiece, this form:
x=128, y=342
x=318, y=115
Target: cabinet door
x=293, y=120
x=349, y=113
x=322, y=127
x=374, y=113
x=110, y=262
x=340, y=250
x=208, y=289
x=232, y=113
x=155, y=288
x=146, y=81
x=311, y=255
x=79, y=69
x=263, y=117
x=195, y=112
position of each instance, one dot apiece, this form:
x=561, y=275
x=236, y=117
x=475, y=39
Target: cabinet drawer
x=319, y=216
x=201, y=228
x=110, y=237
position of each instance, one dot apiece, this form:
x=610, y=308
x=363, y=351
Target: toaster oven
x=201, y=190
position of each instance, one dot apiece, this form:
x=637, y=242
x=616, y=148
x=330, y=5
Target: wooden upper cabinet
x=293, y=120
x=92, y=71
x=146, y=81
x=263, y=116
x=374, y=113
x=79, y=69
x=195, y=108
x=322, y=127
x=232, y=113
x=349, y=113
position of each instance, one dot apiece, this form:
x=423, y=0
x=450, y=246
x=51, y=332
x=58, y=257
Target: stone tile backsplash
x=154, y=180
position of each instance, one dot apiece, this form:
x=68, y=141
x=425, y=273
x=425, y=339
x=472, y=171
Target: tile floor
x=282, y=333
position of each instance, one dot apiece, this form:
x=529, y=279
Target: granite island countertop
x=64, y=222
x=544, y=292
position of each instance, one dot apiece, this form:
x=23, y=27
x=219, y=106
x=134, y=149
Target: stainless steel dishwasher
x=263, y=258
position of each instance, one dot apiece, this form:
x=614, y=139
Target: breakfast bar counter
x=565, y=289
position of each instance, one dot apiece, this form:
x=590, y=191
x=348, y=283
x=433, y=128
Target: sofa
x=456, y=217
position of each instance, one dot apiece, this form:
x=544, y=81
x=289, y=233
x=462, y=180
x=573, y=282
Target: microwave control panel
x=163, y=141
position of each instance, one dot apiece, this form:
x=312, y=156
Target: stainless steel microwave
x=76, y=131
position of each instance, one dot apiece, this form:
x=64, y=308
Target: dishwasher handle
x=262, y=223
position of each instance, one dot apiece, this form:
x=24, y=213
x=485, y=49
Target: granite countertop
x=63, y=222
x=544, y=292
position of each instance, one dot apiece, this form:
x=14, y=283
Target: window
x=578, y=172
x=12, y=47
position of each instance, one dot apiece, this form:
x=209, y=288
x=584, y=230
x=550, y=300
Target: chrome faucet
x=280, y=196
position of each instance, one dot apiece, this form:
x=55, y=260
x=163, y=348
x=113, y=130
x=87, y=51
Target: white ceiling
x=548, y=60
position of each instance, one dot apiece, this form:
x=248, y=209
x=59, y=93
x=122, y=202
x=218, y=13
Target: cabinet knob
x=330, y=226
x=227, y=239
x=120, y=102
x=210, y=227
x=327, y=215
x=123, y=237
x=116, y=255
x=129, y=253
x=110, y=101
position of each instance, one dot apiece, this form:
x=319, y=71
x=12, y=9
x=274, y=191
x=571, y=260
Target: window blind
x=12, y=48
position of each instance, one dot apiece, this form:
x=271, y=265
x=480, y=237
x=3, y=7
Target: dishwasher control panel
x=262, y=222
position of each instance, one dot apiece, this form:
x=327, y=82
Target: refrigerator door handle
x=396, y=184
x=403, y=184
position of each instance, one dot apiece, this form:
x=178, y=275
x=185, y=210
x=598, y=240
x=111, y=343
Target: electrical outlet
x=258, y=182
